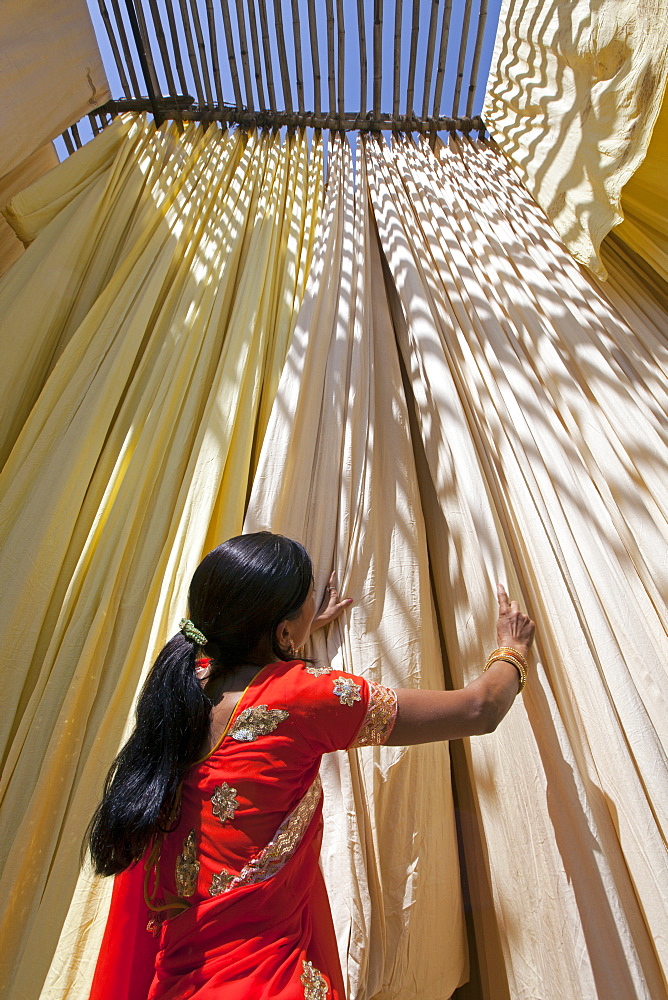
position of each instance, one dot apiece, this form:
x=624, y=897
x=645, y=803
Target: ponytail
x=172, y=724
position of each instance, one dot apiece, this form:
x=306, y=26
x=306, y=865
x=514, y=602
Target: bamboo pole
x=144, y=59
x=361, y=31
x=266, y=48
x=176, y=46
x=398, y=12
x=462, y=56
x=429, y=62
x=329, y=6
x=190, y=49
x=231, y=55
x=93, y=123
x=297, y=37
x=114, y=48
x=67, y=139
x=243, y=47
x=204, y=62
x=215, y=64
x=75, y=134
x=125, y=45
x=162, y=45
x=415, y=30
x=282, y=55
x=257, y=62
x=442, y=57
x=315, y=54
x=482, y=18
x=377, y=55
x=341, y=54
x=291, y=119
x=147, y=47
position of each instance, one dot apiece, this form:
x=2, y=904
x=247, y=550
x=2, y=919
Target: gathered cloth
x=231, y=901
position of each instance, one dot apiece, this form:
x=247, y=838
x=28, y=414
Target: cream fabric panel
x=51, y=73
x=542, y=417
x=337, y=472
x=573, y=95
x=137, y=450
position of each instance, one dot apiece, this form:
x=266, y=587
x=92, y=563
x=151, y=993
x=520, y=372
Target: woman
x=217, y=794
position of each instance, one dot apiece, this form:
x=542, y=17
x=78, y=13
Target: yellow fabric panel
x=136, y=450
x=38, y=163
x=51, y=73
x=644, y=230
x=573, y=95
x=337, y=472
x=542, y=418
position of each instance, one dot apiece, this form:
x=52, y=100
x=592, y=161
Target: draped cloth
x=148, y=322
x=573, y=95
x=541, y=417
x=337, y=472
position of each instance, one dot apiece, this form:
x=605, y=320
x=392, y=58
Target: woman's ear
x=283, y=635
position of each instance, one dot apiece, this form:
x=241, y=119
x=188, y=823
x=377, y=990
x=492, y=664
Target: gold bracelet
x=511, y=651
x=508, y=659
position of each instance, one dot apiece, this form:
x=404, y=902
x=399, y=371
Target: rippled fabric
x=337, y=472
x=573, y=95
x=148, y=322
x=542, y=420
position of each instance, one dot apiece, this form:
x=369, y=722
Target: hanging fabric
x=573, y=95
x=183, y=258
x=542, y=420
x=337, y=472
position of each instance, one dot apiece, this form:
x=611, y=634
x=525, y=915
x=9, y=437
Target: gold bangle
x=515, y=654
x=508, y=659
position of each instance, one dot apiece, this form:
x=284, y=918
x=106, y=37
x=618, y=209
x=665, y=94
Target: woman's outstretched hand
x=332, y=605
x=513, y=627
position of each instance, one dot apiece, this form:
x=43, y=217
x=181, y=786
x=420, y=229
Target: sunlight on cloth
x=337, y=472
x=572, y=98
x=150, y=316
x=540, y=414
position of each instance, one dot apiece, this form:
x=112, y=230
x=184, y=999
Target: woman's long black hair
x=239, y=594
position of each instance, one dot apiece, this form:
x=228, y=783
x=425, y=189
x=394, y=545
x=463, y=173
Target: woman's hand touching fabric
x=332, y=605
x=513, y=627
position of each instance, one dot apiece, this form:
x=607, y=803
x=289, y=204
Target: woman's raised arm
x=429, y=716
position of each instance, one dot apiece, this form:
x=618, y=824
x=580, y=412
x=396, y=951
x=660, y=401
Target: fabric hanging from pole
x=158, y=296
x=542, y=418
x=337, y=472
x=573, y=95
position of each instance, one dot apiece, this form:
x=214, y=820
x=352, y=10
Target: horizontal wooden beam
x=187, y=110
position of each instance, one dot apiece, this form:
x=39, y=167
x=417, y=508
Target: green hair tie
x=191, y=633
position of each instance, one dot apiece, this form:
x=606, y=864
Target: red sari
x=239, y=903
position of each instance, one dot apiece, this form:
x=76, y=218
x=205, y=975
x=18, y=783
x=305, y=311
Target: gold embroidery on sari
x=220, y=882
x=380, y=717
x=256, y=721
x=187, y=867
x=314, y=983
x=318, y=671
x=346, y=690
x=224, y=802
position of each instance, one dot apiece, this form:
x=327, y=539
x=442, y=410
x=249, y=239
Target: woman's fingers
x=332, y=604
x=513, y=628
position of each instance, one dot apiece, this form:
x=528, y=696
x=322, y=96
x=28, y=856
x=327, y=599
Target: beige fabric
x=573, y=95
x=37, y=164
x=51, y=73
x=153, y=362
x=542, y=417
x=337, y=472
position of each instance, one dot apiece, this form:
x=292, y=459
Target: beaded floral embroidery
x=220, y=882
x=255, y=722
x=318, y=671
x=314, y=983
x=380, y=716
x=347, y=691
x=224, y=802
x=187, y=867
